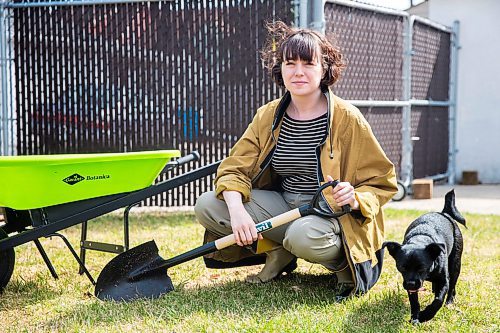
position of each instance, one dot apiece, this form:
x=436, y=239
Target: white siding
x=478, y=105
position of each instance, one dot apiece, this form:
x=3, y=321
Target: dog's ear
x=393, y=247
x=435, y=249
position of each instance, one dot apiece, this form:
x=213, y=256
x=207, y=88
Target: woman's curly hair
x=286, y=43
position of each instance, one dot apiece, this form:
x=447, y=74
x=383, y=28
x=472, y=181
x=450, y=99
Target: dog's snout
x=411, y=285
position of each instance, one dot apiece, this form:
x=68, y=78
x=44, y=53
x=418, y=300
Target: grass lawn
x=220, y=301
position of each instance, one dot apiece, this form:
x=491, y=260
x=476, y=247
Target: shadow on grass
x=20, y=293
x=237, y=299
x=384, y=312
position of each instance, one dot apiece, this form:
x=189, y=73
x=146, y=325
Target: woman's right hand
x=243, y=227
x=242, y=224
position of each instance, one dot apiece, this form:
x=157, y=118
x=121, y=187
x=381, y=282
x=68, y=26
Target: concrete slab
x=480, y=199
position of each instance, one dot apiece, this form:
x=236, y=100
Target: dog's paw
x=425, y=315
x=414, y=321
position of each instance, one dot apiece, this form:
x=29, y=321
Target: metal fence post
x=318, y=16
x=296, y=12
x=303, y=13
x=4, y=119
x=406, y=173
x=453, y=103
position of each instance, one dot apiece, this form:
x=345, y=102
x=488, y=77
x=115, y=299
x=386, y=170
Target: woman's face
x=302, y=77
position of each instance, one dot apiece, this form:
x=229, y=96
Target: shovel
x=141, y=273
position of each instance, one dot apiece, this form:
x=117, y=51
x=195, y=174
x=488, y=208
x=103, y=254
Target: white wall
x=478, y=103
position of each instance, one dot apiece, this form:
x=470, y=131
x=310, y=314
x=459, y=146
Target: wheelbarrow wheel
x=7, y=260
x=401, y=193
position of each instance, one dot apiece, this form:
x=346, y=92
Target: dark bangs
x=300, y=46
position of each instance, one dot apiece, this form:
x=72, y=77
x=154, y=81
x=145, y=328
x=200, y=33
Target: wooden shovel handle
x=274, y=222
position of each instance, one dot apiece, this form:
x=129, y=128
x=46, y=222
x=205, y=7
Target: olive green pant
x=312, y=238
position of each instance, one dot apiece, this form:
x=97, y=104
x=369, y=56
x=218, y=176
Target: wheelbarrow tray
x=43, y=221
x=35, y=181
x=25, y=225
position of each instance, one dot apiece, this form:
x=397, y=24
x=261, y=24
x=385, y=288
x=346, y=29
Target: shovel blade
x=114, y=283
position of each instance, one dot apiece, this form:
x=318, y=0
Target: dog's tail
x=451, y=209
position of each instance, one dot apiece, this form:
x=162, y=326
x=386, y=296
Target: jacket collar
x=285, y=101
x=280, y=109
x=287, y=98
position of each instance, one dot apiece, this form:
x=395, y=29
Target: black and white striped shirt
x=295, y=156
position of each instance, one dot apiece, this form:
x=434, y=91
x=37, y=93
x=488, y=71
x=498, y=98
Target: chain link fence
x=430, y=78
x=373, y=45
x=120, y=76
x=399, y=76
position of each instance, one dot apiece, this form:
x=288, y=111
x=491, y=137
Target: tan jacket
x=349, y=153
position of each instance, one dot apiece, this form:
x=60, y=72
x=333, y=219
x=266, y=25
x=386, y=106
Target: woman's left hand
x=343, y=194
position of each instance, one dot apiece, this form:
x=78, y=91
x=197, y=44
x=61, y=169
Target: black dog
x=432, y=251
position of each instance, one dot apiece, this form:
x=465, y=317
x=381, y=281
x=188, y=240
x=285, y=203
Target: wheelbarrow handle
x=191, y=157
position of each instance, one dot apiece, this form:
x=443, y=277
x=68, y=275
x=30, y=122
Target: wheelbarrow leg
x=126, y=235
x=106, y=247
x=75, y=255
x=46, y=258
x=82, y=247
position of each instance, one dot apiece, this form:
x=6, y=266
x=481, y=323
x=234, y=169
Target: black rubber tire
x=401, y=194
x=7, y=261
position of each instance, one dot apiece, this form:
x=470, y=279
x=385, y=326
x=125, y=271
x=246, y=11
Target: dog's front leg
x=414, y=307
x=441, y=288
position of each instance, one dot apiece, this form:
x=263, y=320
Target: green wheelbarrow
x=41, y=195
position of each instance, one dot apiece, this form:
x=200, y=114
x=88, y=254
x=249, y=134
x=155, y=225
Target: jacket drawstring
x=331, y=146
x=330, y=120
